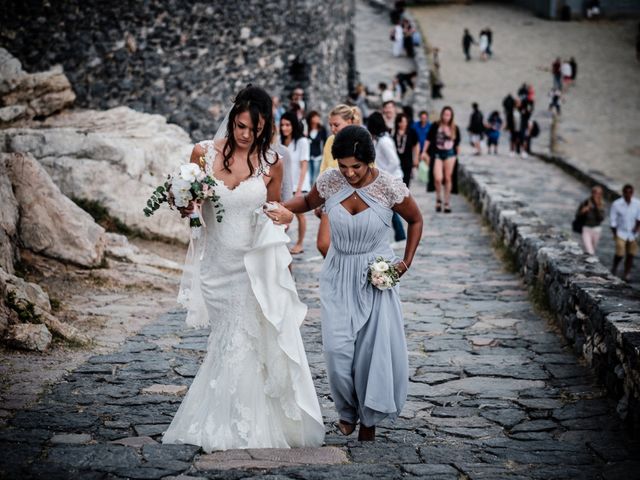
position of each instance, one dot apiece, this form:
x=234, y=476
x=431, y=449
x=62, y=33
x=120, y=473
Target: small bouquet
x=382, y=274
x=189, y=183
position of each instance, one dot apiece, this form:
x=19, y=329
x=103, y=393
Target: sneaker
x=524, y=155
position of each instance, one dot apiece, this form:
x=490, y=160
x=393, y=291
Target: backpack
x=535, y=129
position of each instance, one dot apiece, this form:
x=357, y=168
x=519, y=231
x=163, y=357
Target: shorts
x=492, y=139
x=626, y=247
x=444, y=154
x=475, y=137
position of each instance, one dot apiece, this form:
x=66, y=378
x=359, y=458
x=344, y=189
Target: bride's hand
x=279, y=215
x=188, y=210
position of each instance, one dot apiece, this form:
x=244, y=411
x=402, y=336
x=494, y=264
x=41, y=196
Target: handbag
x=578, y=221
x=423, y=172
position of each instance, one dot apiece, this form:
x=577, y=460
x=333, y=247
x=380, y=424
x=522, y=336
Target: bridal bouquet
x=189, y=183
x=382, y=274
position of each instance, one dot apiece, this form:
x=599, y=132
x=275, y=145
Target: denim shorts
x=444, y=154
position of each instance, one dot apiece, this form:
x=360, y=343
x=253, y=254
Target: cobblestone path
x=493, y=393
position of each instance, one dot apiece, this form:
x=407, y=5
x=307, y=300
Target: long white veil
x=190, y=295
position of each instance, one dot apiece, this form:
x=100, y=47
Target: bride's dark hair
x=258, y=103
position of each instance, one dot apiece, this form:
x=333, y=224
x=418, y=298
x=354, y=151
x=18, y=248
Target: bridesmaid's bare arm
x=409, y=211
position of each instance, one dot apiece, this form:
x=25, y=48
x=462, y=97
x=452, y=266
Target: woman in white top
x=397, y=35
x=291, y=136
x=387, y=160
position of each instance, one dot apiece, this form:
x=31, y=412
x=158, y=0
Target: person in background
x=574, y=69
x=467, y=41
x=405, y=81
x=567, y=73
x=386, y=94
x=361, y=101
x=555, y=96
x=556, y=67
x=443, y=145
x=407, y=31
x=389, y=112
x=292, y=137
x=407, y=147
x=489, y=33
x=421, y=127
x=297, y=96
x=476, y=128
x=339, y=117
x=286, y=189
x=592, y=213
x=484, y=45
x=493, y=131
x=317, y=138
x=278, y=110
x=625, y=223
x=525, y=109
x=397, y=37
x=386, y=160
x=509, y=105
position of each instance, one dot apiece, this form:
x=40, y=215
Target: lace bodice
x=385, y=189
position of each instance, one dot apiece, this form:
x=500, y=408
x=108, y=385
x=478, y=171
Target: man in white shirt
x=625, y=223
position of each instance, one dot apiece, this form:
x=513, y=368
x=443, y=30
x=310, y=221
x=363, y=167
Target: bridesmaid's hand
x=279, y=215
x=400, y=268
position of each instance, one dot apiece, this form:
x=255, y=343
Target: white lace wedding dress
x=254, y=388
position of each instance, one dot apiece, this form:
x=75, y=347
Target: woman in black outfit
x=407, y=146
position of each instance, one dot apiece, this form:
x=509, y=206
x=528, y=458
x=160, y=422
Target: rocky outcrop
x=8, y=219
x=24, y=302
x=115, y=158
x=29, y=336
x=50, y=223
x=24, y=96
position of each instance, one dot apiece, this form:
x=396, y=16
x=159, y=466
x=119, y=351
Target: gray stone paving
x=493, y=392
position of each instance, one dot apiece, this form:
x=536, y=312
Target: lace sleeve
x=398, y=191
x=388, y=190
x=329, y=183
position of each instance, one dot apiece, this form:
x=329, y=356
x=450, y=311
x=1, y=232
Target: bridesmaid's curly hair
x=258, y=103
x=354, y=141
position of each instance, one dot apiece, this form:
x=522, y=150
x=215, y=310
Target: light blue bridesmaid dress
x=362, y=327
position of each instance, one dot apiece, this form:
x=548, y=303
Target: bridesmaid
x=362, y=327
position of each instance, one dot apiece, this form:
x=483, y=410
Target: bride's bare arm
x=197, y=154
x=274, y=185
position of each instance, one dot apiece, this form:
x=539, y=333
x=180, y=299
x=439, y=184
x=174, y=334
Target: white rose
x=189, y=172
x=381, y=266
x=181, y=190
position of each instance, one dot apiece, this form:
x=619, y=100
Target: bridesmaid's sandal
x=296, y=250
x=447, y=208
x=367, y=434
x=346, y=428
x=438, y=205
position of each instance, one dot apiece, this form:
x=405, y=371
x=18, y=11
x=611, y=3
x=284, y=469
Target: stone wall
x=597, y=313
x=185, y=59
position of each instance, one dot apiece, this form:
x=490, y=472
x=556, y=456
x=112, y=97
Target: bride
x=254, y=387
